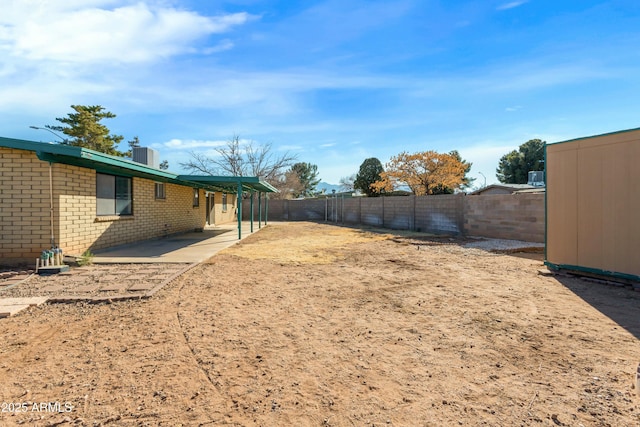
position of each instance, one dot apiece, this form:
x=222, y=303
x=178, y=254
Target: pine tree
x=85, y=130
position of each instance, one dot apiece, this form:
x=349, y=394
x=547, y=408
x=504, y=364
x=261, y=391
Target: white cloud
x=511, y=5
x=512, y=109
x=220, y=47
x=90, y=32
x=531, y=76
x=290, y=147
x=175, y=144
x=513, y=78
x=327, y=145
x=269, y=94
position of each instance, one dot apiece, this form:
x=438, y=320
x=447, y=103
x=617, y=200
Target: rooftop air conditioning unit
x=146, y=156
x=536, y=178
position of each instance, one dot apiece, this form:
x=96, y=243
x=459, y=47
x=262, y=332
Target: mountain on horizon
x=327, y=187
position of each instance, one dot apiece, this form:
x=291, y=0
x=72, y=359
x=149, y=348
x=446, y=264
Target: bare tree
x=288, y=185
x=347, y=182
x=241, y=159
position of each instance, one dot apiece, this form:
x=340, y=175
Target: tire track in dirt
x=187, y=341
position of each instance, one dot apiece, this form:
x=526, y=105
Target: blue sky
x=334, y=82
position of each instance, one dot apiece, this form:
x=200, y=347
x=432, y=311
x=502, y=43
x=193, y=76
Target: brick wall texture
x=25, y=228
x=510, y=216
x=24, y=205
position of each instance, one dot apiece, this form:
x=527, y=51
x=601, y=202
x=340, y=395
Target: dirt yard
x=313, y=325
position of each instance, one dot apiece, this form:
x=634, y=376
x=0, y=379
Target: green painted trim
x=247, y=182
x=105, y=167
x=84, y=157
x=21, y=144
x=597, y=271
x=595, y=136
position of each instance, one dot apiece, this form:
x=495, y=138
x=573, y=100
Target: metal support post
x=239, y=208
x=266, y=208
x=251, y=205
x=259, y=209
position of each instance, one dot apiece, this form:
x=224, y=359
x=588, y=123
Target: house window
x=160, y=192
x=113, y=195
x=196, y=197
x=224, y=202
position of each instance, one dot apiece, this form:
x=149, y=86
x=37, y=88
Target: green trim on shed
x=595, y=271
x=546, y=217
x=594, y=136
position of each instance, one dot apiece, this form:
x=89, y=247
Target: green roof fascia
x=100, y=162
x=21, y=144
x=230, y=183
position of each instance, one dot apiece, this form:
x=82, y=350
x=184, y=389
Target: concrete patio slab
x=11, y=306
x=183, y=248
x=19, y=301
x=142, y=287
x=10, y=310
x=121, y=276
x=86, y=288
x=118, y=287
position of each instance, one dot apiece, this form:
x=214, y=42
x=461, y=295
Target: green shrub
x=85, y=259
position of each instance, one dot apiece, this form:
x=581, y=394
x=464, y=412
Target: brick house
x=81, y=199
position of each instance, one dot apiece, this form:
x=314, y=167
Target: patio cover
x=239, y=184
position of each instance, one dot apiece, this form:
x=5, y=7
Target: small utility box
x=593, y=205
x=55, y=269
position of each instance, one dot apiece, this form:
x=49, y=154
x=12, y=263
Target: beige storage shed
x=593, y=205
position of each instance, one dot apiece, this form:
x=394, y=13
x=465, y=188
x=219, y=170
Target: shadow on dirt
x=618, y=302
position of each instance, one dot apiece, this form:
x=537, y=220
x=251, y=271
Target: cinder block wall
x=398, y=212
x=352, y=210
x=518, y=216
x=311, y=209
x=372, y=212
x=505, y=216
x=24, y=206
x=277, y=209
x=439, y=214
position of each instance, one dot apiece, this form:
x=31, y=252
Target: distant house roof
x=505, y=188
x=531, y=190
x=105, y=163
